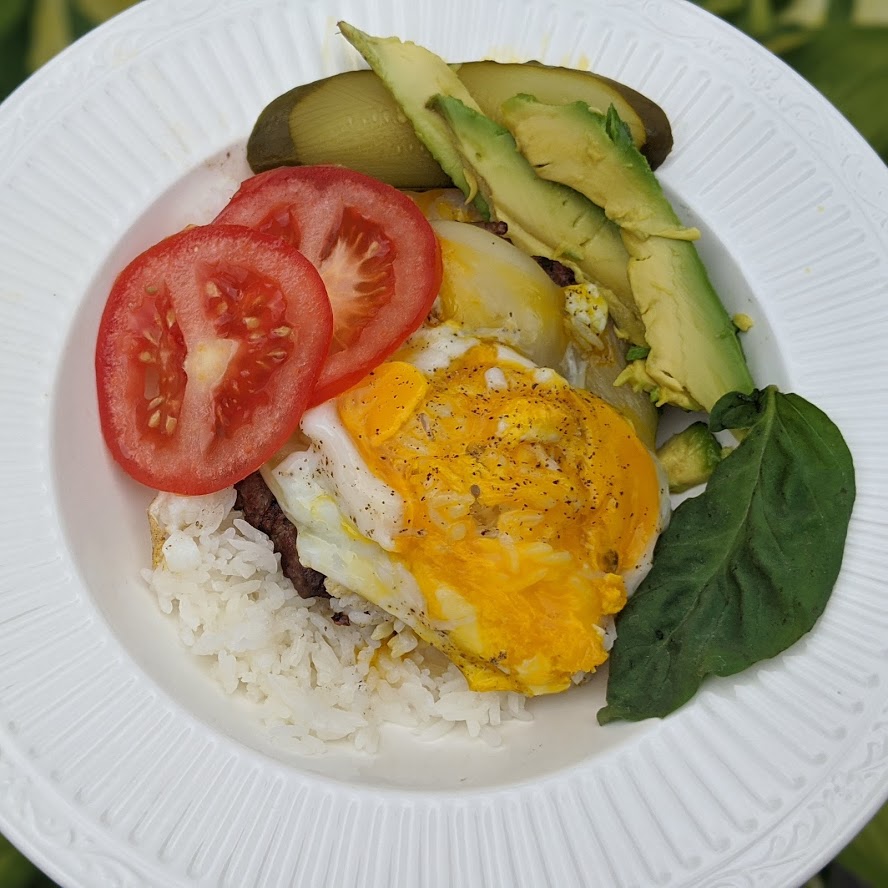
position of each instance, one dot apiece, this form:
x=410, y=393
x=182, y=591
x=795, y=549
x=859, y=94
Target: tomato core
x=375, y=251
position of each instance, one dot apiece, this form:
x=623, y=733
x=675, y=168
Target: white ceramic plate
x=120, y=762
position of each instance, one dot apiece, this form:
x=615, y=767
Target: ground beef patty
x=560, y=274
x=261, y=510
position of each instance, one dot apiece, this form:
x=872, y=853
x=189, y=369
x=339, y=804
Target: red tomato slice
x=208, y=350
x=377, y=254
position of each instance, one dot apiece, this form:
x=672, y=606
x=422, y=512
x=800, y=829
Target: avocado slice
x=544, y=218
x=695, y=355
x=690, y=457
x=492, y=83
x=413, y=75
x=636, y=204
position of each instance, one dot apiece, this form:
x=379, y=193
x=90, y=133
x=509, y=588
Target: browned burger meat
x=261, y=510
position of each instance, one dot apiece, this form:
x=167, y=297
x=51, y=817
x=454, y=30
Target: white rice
x=315, y=681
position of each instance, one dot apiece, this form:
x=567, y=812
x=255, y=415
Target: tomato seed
x=154, y=420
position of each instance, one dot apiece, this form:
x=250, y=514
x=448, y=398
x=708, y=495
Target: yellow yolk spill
x=524, y=501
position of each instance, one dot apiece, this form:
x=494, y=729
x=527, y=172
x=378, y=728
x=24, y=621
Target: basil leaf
x=737, y=411
x=743, y=570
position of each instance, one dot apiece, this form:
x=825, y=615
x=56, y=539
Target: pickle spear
x=352, y=119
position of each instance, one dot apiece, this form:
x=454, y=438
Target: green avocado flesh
x=695, y=356
x=492, y=83
x=622, y=184
x=413, y=75
x=543, y=218
x=690, y=457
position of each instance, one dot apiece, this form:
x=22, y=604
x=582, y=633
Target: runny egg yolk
x=525, y=502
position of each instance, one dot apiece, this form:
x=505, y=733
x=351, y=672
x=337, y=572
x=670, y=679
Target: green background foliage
x=840, y=46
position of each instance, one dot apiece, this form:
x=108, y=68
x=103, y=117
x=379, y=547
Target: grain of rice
x=315, y=682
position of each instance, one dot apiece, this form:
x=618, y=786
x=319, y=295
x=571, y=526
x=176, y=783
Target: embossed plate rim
x=77, y=850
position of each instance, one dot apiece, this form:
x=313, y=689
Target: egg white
x=348, y=519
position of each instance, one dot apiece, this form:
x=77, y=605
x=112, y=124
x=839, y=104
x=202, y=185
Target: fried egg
x=496, y=510
x=492, y=289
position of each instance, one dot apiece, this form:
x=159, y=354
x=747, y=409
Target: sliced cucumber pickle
x=351, y=119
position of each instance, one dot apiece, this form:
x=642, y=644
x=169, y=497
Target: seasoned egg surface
x=493, y=290
x=483, y=501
